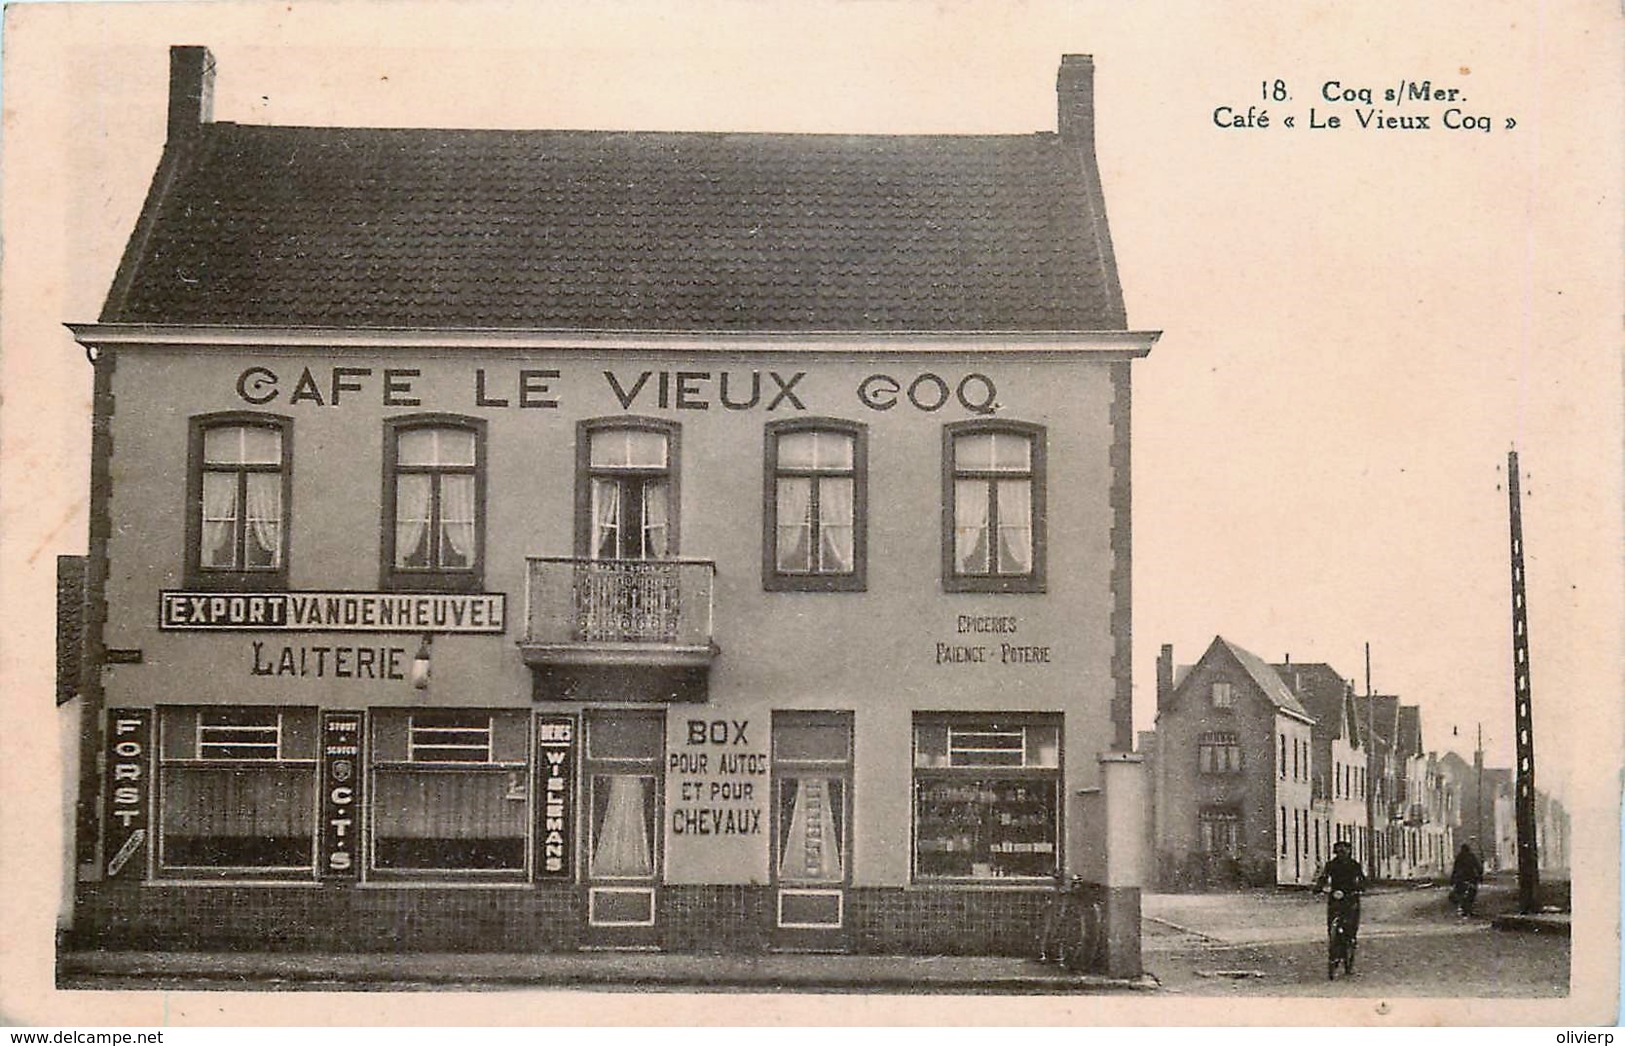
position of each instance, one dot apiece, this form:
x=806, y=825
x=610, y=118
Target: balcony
x=618, y=612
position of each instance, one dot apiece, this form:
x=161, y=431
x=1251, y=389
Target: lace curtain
x=621, y=837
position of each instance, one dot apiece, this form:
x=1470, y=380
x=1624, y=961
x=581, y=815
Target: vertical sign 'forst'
x=717, y=796
x=128, y=790
x=341, y=795
x=555, y=828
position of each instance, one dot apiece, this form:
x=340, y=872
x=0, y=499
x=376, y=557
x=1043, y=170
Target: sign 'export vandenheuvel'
x=333, y=611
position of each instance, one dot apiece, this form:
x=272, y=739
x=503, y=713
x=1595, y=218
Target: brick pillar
x=1123, y=787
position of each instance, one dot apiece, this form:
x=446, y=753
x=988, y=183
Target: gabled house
x=1235, y=773
x=1339, y=758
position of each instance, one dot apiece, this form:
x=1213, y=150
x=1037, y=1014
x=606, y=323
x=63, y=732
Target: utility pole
x=1528, y=854
x=1478, y=795
x=1370, y=772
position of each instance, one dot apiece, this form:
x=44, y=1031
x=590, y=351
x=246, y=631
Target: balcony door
x=812, y=829
x=625, y=750
x=626, y=490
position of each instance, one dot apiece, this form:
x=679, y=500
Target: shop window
x=237, y=519
x=237, y=790
x=812, y=770
x=1219, y=753
x=815, y=506
x=993, y=507
x=1223, y=695
x=451, y=791
x=987, y=797
x=626, y=489
x=1220, y=832
x=434, y=503
x=624, y=752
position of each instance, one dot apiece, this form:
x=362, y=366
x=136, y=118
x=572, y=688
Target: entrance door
x=812, y=829
x=624, y=859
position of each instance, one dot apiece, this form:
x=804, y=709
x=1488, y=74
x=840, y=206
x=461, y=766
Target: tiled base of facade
x=543, y=918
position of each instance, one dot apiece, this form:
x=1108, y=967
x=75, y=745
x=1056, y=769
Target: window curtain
x=237, y=802
x=1015, y=527
x=794, y=511
x=606, y=515
x=219, y=520
x=467, y=804
x=812, y=842
x=411, y=520
x=264, y=521
x=655, y=529
x=457, y=521
x=835, y=525
x=970, y=526
x=621, y=843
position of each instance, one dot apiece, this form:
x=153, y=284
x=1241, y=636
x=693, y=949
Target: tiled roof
x=1271, y=684
x=302, y=226
x=1322, y=691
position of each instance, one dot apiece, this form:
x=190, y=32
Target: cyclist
x=1346, y=879
x=1465, y=876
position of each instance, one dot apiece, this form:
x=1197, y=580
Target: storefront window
x=450, y=791
x=812, y=762
x=623, y=774
x=237, y=790
x=987, y=797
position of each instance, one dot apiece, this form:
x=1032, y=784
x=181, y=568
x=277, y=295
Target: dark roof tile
x=650, y=231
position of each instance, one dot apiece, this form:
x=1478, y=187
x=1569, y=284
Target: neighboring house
x=1379, y=719
x=1339, y=759
x=1234, y=773
x=694, y=541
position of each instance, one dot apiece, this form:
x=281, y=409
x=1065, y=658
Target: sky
x=1358, y=322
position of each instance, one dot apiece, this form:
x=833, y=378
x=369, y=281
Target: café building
x=550, y=540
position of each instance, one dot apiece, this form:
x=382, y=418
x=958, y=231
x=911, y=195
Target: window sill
x=431, y=582
x=1025, y=583
x=250, y=582
x=814, y=583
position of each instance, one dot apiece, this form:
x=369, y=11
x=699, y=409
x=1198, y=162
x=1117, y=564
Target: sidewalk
x=623, y=971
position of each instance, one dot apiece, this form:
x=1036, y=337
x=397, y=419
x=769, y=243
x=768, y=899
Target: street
x=1263, y=943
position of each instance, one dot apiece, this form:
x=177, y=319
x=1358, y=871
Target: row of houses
x=1258, y=769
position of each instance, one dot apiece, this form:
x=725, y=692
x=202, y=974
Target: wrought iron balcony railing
x=618, y=611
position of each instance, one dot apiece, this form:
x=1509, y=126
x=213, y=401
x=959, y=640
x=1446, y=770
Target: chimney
x=191, y=91
x=1075, y=88
x=1165, y=675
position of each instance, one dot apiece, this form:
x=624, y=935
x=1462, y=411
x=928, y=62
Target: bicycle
x=1073, y=933
x=1342, y=927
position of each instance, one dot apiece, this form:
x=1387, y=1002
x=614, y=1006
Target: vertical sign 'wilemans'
x=341, y=794
x=129, y=777
x=555, y=751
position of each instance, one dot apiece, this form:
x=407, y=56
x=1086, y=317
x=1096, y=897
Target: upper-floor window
x=626, y=489
x=993, y=500
x=237, y=533
x=815, y=506
x=434, y=502
x=1219, y=753
x=1224, y=695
